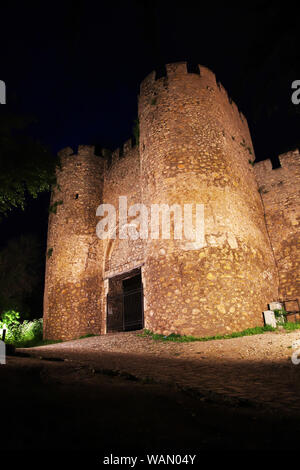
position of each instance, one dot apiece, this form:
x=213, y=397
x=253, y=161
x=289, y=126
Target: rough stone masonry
x=194, y=146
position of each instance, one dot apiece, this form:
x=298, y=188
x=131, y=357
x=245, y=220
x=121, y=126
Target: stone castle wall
x=194, y=147
x=280, y=192
x=73, y=288
x=122, y=178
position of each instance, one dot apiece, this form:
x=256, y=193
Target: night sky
x=76, y=67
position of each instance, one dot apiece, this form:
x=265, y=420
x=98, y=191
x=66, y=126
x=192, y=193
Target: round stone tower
x=196, y=148
x=73, y=287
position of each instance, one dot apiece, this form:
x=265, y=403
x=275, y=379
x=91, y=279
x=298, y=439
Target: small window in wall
x=76, y=196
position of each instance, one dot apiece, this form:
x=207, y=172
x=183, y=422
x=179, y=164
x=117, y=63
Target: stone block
x=269, y=318
x=275, y=306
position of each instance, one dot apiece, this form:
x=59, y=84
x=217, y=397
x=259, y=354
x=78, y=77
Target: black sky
x=77, y=66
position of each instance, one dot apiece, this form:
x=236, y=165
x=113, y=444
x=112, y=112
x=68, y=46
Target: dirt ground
x=124, y=393
x=254, y=369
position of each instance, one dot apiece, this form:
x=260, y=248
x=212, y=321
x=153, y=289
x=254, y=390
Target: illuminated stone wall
x=73, y=288
x=122, y=178
x=280, y=192
x=194, y=147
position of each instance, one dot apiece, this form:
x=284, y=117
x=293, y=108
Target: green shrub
x=280, y=315
x=9, y=318
x=280, y=312
x=28, y=333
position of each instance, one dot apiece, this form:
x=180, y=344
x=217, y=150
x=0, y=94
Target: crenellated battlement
x=65, y=152
x=88, y=151
x=85, y=153
x=268, y=177
x=264, y=166
x=290, y=158
x=178, y=73
x=82, y=151
x=177, y=70
x=123, y=151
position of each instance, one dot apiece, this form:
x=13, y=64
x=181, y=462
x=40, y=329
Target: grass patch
x=258, y=330
x=186, y=339
x=89, y=335
x=289, y=326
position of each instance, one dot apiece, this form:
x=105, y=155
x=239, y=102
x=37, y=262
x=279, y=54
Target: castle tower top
x=181, y=74
x=175, y=71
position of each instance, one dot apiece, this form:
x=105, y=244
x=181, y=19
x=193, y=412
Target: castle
x=194, y=146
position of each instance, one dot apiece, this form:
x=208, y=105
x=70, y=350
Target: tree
x=26, y=166
x=21, y=275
